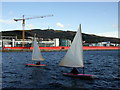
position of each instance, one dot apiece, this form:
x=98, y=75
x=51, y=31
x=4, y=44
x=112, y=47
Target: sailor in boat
x=38, y=63
x=74, y=71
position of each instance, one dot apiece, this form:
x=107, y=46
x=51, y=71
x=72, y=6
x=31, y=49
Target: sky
x=99, y=18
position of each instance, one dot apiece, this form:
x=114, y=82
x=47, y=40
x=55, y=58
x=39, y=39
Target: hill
x=59, y=34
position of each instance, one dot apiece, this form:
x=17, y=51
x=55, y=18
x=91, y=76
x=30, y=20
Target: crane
x=23, y=24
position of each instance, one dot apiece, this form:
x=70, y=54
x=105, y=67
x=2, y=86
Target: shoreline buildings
x=12, y=41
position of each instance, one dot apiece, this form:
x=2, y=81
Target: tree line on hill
x=50, y=33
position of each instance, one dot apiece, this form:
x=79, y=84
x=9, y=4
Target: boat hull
x=35, y=65
x=84, y=76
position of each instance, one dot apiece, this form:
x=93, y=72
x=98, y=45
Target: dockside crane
x=23, y=24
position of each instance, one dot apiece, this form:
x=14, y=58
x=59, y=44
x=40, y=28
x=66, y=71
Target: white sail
x=74, y=56
x=36, y=54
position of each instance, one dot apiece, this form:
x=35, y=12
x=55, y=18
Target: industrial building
x=12, y=41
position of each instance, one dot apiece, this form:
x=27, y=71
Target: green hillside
x=59, y=34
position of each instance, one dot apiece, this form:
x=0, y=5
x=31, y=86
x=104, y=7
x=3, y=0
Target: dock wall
x=65, y=48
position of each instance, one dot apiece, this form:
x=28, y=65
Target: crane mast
x=23, y=25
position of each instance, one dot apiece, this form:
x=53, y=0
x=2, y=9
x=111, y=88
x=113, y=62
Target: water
x=104, y=64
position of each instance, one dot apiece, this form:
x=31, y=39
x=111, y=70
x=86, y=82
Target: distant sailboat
x=74, y=56
x=36, y=54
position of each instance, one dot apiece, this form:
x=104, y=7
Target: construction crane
x=23, y=24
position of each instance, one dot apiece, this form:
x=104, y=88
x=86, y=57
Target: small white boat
x=74, y=57
x=36, y=54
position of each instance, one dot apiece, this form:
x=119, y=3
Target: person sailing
x=74, y=71
x=38, y=63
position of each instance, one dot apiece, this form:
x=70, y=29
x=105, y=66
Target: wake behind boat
x=74, y=57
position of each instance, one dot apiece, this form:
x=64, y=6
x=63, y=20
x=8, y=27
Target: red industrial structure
x=65, y=48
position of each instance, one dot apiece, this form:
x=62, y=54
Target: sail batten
x=74, y=56
x=36, y=54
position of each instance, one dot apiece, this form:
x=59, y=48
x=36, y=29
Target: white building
x=49, y=43
x=56, y=42
x=104, y=44
x=0, y=43
x=14, y=42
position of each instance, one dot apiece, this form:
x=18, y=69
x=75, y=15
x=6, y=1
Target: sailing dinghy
x=74, y=57
x=36, y=54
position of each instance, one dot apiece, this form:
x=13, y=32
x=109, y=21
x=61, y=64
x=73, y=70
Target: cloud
x=7, y=21
x=59, y=24
x=115, y=26
x=30, y=26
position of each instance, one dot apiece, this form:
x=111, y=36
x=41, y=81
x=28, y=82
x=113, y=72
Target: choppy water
x=104, y=64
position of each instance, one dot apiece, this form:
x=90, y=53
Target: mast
x=23, y=32
x=82, y=45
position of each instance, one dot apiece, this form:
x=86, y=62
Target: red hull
x=85, y=76
x=35, y=65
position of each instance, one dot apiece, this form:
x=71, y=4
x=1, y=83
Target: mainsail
x=74, y=56
x=36, y=54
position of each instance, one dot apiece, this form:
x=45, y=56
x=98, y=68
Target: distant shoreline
x=61, y=48
x=27, y=50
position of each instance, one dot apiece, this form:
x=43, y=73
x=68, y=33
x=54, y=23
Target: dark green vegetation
x=59, y=34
